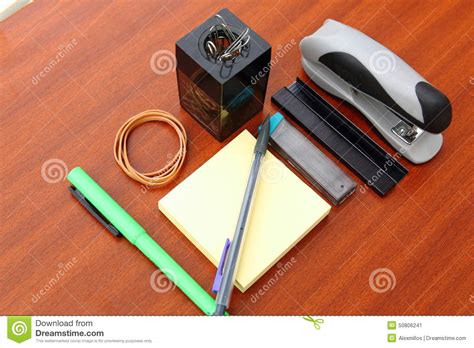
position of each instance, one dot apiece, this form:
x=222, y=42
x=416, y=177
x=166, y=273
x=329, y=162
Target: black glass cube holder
x=222, y=95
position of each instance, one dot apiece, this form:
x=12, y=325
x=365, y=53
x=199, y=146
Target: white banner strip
x=236, y=331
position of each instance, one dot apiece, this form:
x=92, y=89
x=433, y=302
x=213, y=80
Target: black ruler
x=341, y=137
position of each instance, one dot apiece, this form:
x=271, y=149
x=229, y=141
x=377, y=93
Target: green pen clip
x=118, y=222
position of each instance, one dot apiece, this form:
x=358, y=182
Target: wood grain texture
x=69, y=106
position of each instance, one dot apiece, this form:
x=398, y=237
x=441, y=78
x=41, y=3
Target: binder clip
x=406, y=110
x=222, y=70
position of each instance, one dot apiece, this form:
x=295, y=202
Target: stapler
x=406, y=110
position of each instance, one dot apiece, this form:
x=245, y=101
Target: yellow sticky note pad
x=206, y=205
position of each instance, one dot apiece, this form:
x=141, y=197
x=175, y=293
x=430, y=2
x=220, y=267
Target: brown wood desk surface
x=73, y=72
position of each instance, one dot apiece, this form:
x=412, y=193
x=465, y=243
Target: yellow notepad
x=206, y=205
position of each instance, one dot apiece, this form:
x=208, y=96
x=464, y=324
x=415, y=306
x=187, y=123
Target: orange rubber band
x=159, y=177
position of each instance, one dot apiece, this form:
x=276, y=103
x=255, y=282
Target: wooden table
x=73, y=72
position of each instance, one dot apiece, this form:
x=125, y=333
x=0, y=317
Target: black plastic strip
x=353, y=133
x=335, y=136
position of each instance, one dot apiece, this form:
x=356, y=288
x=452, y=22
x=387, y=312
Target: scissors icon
x=316, y=322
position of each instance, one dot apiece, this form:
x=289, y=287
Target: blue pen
x=226, y=272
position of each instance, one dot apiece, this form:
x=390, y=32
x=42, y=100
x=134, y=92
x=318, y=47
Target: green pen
x=110, y=214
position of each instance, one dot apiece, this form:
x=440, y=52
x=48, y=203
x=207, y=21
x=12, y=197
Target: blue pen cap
x=275, y=120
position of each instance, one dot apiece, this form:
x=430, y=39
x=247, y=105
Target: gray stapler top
x=408, y=111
